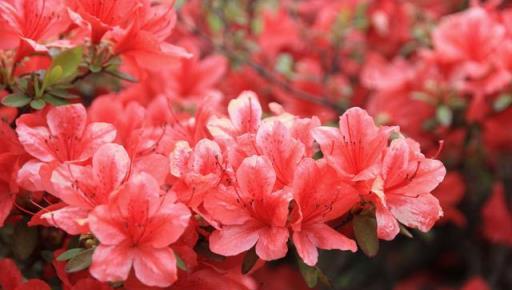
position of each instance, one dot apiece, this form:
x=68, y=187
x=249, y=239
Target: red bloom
x=33, y=21
x=198, y=171
x=354, y=149
x=65, y=136
x=135, y=229
x=100, y=16
x=82, y=188
x=320, y=197
x=11, y=156
x=404, y=188
x=250, y=212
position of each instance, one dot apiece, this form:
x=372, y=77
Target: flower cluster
x=200, y=145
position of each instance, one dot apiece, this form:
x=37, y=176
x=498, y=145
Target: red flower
x=250, y=212
x=11, y=157
x=33, y=21
x=354, y=149
x=101, y=16
x=135, y=230
x=320, y=197
x=65, y=136
x=404, y=188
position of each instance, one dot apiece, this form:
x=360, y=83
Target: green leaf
x=444, y=115
x=122, y=75
x=53, y=76
x=69, y=254
x=79, y=262
x=63, y=94
x=24, y=241
x=214, y=22
x=310, y=274
x=95, y=68
x=16, y=100
x=365, y=230
x=502, y=102
x=54, y=101
x=180, y=263
x=250, y=260
x=69, y=60
x=37, y=104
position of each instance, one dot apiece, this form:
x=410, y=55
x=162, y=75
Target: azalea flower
x=320, y=197
x=100, y=16
x=403, y=187
x=12, y=156
x=135, y=230
x=250, y=212
x=354, y=149
x=62, y=136
x=33, y=21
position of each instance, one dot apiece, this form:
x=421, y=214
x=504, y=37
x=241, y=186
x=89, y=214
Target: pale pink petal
x=168, y=225
x=95, y=135
x=104, y=227
x=111, y=263
x=325, y=237
x=245, y=112
x=141, y=192
x=305, y=248
x=67, y=122
x=179, y=158
x=35, y=141
x=271, y=243
x=155, y=267
x=29, y=176
x=222, y=204
x=256, y=177
x=233, y=240
x=275, y=141
x=110, y=165
x=71, y=183
x=72, y=220
x=155, y=164
x=387, y=226
x=419, y=212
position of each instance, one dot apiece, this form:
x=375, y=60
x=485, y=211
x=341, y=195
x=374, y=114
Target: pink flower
x=33, y=21
x=64, y=136
x=141, y=44
x=12, y=156
x=403, y=189
x=244, y=117
x=82, y=188
x=135, y=230
x=320, y=197
x=101, y=16
x=354, y=149
x=250, y=212
x=198, y=170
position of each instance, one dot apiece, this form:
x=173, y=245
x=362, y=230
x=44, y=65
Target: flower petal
x=233, y=240
x=111, y=263
x=271, y=244
x=155, y=267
